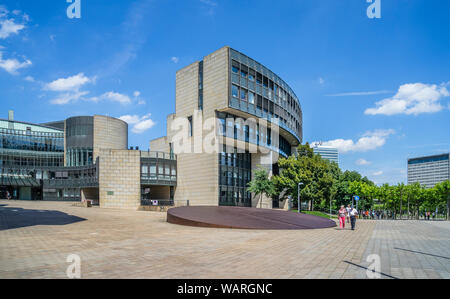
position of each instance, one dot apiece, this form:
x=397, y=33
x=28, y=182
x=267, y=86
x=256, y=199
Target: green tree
x=443, y=192
x=315, y=174
x=261, y=184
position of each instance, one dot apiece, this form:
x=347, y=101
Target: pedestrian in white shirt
x=353, y=214
x=349, y=208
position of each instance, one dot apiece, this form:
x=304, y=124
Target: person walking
x=348, y=213
x=353, y=214
x=342, y=216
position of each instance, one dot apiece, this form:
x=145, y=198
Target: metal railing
x=158, y=155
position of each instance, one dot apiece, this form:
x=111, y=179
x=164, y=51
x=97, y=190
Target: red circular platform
x=245, y=218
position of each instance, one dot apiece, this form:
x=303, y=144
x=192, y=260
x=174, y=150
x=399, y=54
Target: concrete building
x=235, y=105
x=233, y=116
x=326, y=152
x=430, y=170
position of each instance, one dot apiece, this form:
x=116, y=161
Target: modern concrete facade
x=430, y=170
x=328, y=153
x=83, y=158
x=233, y=116
x=232, y=104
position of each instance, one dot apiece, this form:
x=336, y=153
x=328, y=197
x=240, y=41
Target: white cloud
x=378, y=173
x=30, y=79
x=13, y=65
x=369, y=141
x=175, y=59
x=137, y=94
x=362, y=162
x=140, y=123
x=116, y=97
x=67, y=98
x=321, y=81
x=413, y=99
x=362, y=93
x=8, y=27
x=72, y=83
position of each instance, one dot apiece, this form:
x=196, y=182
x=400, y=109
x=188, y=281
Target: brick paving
x=37, y=237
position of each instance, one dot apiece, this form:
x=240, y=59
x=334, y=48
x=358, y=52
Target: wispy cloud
x=114, y=97
x=13, y=65
x=378, y=173
x=66, y=98
x=140, y=123
x=73, y=83
x=369, y=141
x=133, y=34
x=210, y=6
x=361, y=93
x=362, y=162
x=8, y=27
x=175, y=59
x=413, y=99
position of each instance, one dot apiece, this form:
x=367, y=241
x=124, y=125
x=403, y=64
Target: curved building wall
x=109, y=133
x=258, y=91
x=79, y=141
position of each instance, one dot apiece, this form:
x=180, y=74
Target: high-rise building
x=326, y=152
x=430, y=170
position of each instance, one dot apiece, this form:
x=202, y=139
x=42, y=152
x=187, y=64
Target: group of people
x=349, y=213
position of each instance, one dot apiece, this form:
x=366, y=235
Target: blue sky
x=376, y=88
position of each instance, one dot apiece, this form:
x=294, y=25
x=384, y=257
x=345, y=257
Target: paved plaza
x=37, y=237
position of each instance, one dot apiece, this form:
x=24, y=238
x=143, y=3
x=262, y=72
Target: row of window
x=80, y=130
x=20, y=161
x=235, y=197
x=235, y=127
x=79, y=157
x=259, y=90
x=153, y=170
x=51, y=174
x=32, y=143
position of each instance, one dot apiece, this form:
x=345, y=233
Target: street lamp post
x=299, y=204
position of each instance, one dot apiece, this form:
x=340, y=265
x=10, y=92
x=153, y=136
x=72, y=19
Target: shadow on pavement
x=419, y=252
x=381, y=273
x=11, y=218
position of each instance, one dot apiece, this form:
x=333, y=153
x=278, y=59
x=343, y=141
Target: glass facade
x=79, y=157
x=158, y=168
x=235, y=174
x=31, y=141
x=234, y=127
x=256, y=90
x=79, y=141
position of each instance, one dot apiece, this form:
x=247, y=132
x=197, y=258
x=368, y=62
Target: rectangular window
x=153, y=170
x=243, y=94
x=251, y=98
x=191, y=126
x=259, y=102
x=235, y=91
